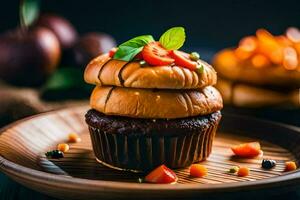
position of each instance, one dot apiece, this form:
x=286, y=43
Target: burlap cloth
x=17, y=103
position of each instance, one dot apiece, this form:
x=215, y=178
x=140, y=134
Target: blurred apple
x=27, y=57
x=62, y=28
x=91, y=45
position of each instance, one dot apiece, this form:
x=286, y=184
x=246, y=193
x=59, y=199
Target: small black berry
x=55, y=154
x=268, y=164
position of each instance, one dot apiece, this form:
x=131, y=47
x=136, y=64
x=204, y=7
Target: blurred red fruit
x=91, y=45
x=26, y=58
x=62, y=28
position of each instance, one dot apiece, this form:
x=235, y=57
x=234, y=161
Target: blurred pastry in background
x=263, y=70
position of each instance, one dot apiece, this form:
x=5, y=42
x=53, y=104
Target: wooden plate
x=78, y=175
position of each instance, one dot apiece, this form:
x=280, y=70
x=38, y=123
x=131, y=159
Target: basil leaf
x=29, y=11
x=66, y=83
x=173, y=38
x=128, y=50
x=127, y=53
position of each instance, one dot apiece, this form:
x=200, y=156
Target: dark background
x=209, y=24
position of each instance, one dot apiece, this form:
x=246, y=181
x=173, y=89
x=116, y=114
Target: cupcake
x=263, y=70
x=152, y=104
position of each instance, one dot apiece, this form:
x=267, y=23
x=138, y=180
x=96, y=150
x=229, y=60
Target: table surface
x=10, y=190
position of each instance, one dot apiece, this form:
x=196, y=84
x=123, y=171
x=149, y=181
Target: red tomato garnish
x=154, y=54
x=139, y=56
x=161, y=174
x=197, y=170
x=247, y=150
x=112, y=52
x=182, y=59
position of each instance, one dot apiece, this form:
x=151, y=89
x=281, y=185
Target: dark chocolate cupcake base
x=142, y=144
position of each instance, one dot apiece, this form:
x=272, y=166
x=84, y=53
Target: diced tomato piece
x=243, y=171
x=247, y=150
x=197, y=170
x=73, y=137
x=161, y=174
x=182, y=59
x=290, y=166
x=112, y=52
x=154, y=54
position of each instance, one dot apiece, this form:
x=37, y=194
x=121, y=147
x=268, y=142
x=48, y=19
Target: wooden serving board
x=78, y=175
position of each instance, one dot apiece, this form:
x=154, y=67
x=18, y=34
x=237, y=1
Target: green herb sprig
x=172, y=39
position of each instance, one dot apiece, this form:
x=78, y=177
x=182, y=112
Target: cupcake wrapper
x=143, y=153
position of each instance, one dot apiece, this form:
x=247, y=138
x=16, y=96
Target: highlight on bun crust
x=148, y=103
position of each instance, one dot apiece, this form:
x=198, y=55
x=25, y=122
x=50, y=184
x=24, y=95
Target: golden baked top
x=104, y=70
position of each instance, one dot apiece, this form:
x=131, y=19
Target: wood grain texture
x=78, y=174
